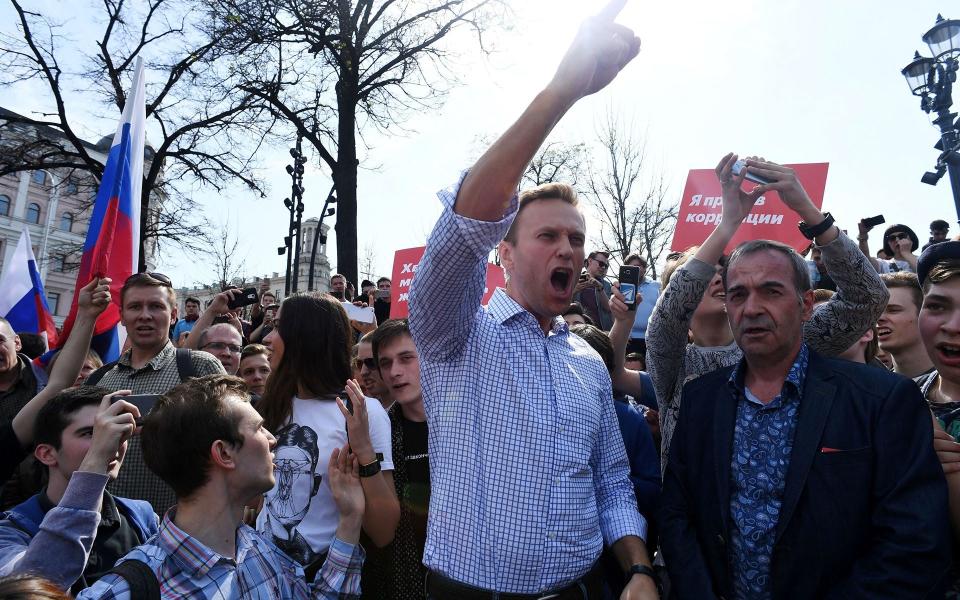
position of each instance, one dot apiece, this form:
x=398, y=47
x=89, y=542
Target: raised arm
x=448, y=287
x=91, y=302
x=218, y=306
x=861, y=295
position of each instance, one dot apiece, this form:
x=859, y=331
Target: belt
x=588, y=587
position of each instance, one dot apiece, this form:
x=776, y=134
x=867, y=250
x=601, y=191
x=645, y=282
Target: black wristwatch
x=643, y=570
x=371, y=469
x=812, y=231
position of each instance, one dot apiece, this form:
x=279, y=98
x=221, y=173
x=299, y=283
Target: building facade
x=55, y=205
x=277, y=281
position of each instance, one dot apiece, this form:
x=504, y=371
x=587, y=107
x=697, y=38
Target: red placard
x=405, y=263
x=770, y=219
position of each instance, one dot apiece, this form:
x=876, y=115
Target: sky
x=815, y=81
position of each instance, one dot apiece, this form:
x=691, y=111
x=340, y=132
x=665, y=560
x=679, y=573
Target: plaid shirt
x=188, y=569
x=528, y=472
x=156, y=377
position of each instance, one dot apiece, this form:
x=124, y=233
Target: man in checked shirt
x=529, y=478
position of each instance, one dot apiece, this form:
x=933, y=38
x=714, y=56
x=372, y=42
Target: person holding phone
x=73, y=531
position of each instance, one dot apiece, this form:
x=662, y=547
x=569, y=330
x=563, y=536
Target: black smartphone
x=144, y=402
x=629, y=285
x=246, y=297
x=874, y=221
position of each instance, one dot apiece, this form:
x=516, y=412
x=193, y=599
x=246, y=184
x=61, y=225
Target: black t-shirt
x=114, y=539
x=416, y=492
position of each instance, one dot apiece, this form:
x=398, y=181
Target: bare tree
x=208, y=135
x=226, y=263
x=629, y=195
x=557, y=162
x=336, y=69
x=368, y=262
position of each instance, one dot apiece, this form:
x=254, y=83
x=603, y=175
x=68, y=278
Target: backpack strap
x=95, y=377
x=185, y=364
x=140, y=577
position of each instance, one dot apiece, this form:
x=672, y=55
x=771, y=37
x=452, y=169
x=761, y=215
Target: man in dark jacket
x=796, y=476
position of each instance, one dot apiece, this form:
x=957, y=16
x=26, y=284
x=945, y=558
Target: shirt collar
x=156, y=363
x=795, y=378
x=191, y=556
x=503, y=308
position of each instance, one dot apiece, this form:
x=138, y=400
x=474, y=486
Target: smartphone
x=874, y=221
x=144, y=402
x=629, y=284
x=245, y=298
x=383, y=294
x=740, y=165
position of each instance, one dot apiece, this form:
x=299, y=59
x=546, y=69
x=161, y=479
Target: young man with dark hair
x=191, y=312
x=593, y=289
x=207, y=443
x=152, y=365
x=897, y=328
x=381, y=306
x=575, y=315
x=338, y=287
x=73, y=531
x=396, y=572
x=938, y=233
x=647, y=295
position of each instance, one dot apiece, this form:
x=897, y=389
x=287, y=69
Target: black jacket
x=869, y=520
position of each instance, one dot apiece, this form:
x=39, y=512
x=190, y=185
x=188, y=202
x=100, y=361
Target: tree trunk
x=345, y=178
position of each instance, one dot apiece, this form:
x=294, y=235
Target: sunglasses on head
x=148, y=276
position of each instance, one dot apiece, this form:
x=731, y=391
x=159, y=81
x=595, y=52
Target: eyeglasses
x=893, y=237
x=601, y=263
x=365, y=362
x=147, y=276
x=235, y=349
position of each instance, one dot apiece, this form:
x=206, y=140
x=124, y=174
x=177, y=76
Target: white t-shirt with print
x=299, y=513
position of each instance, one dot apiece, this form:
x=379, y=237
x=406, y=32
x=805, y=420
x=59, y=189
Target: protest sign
x=770, y=219
x=405, y=264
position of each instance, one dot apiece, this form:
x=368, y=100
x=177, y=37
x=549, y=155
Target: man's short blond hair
x=546, y=191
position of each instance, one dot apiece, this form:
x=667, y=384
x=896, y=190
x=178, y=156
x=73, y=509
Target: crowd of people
x=754, y=425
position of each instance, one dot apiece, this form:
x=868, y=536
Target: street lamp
x=294, y=204
x=932, y=79
x=318, y=234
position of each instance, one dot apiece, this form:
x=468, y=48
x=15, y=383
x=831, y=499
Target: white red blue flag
x=22, y=300
x=112, y=245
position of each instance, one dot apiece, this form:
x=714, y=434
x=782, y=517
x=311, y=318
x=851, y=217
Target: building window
x=4, y=206
x=71, y=187
x=33, y=213
x=66, y=222
x=39, y=177
x=53, y=302
x=58, y=263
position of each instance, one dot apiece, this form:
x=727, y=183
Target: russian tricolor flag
x=112, y=245
x=22, y=300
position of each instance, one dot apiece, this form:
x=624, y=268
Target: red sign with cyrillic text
x=405, y=263
x=770, y=219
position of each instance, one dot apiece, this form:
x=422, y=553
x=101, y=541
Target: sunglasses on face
x=369, y=363
x=894, y=237
x=602, y=264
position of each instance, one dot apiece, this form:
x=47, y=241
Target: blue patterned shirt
x=528, y=473
x=762, y=444
x=188, y=569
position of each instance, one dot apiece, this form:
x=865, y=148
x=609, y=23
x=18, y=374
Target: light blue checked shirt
x=528, y=475
x=186, y=568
